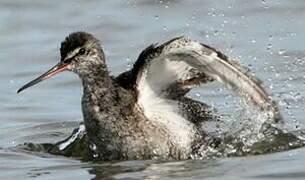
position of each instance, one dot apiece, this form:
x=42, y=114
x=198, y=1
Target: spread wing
x=167, y=72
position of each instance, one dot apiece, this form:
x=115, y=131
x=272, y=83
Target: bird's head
x=80, y=53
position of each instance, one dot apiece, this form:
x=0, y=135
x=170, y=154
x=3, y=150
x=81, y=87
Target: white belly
x=165, y=113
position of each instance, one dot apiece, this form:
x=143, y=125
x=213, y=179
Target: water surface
x=267, y=36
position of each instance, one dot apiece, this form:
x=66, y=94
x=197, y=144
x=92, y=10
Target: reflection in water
x=154, y=170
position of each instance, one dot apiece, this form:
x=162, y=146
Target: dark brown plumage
x=143, y=113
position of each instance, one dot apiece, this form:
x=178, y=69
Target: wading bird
x=143, y=113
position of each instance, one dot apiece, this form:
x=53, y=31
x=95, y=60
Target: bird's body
x=144, y=113
x=114, y=117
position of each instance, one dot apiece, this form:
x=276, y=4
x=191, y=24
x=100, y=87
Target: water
x=267, y=36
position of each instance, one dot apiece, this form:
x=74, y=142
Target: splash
x=251, y=132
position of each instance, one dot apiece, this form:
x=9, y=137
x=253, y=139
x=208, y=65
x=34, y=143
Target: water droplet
x=207, y=36
x=96, y=155
x=92, y=147
x=282, y=51
x=271, y=86
x=292, y=34
x=270, y=37
x=94, y=150
x=269, y=46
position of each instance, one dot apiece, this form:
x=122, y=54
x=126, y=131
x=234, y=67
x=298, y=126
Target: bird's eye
x=82, y=51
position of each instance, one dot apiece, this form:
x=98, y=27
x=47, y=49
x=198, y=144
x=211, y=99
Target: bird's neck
x=102, y=109
x=97, y=81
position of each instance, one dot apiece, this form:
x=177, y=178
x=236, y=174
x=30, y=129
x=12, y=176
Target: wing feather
x=183, y=61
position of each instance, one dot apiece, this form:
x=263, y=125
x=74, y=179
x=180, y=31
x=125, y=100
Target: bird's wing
x=168, y=72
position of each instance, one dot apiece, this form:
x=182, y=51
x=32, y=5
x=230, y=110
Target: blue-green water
x=267, y=36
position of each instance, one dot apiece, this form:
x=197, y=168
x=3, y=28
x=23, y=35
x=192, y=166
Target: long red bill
x=53, y=71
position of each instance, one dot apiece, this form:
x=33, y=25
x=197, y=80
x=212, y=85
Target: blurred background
x=267, y=36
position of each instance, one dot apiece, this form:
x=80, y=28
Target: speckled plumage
x=114, y=122
x=143, y=113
